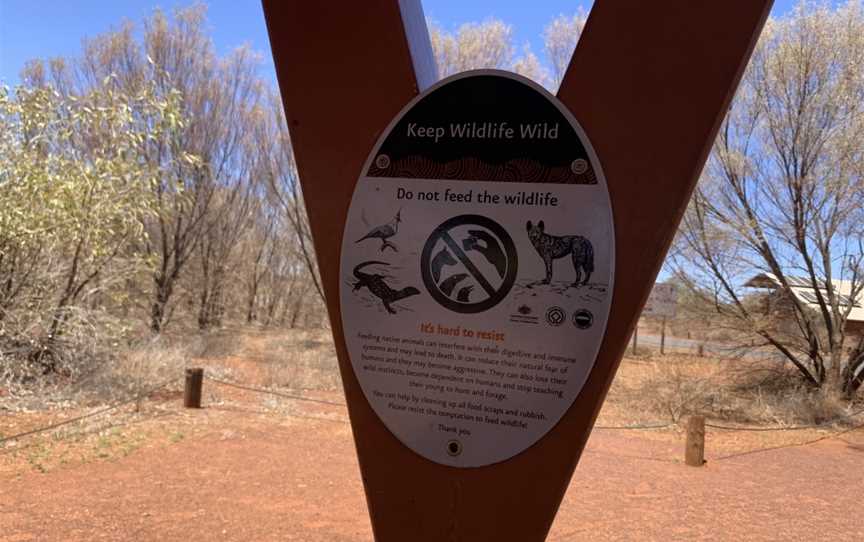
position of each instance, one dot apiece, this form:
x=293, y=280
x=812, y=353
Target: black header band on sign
x=496, y=129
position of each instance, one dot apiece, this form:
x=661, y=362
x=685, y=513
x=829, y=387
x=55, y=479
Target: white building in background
x=803, y=290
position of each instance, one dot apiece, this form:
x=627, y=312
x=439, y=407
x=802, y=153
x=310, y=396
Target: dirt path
x=298, y=480
x=244, y=472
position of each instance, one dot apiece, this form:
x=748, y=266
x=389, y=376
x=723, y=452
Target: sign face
x=663, y=301
x=477, y=268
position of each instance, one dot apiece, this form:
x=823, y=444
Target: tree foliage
x=74, y=192
x=485, y=45
x=149, y=183
x=144, y=184
x=783, y=194
x=560, y=38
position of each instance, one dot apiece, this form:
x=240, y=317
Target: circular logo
x=583, y=318
x=579, y=166
x=555, y=316
x=469, y=264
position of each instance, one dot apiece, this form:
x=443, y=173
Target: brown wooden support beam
x=649, y=83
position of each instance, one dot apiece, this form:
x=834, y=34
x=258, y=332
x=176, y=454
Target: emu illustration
x=385, y=232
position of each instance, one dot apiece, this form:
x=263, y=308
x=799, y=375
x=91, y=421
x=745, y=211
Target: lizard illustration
x=375, y=283
x=385, y=232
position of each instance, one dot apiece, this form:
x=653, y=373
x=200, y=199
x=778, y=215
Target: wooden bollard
x=663, y=337
x=700, y=350
x=192, y=390
x=694, y=452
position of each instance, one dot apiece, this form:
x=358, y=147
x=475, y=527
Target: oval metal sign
x=477, y=268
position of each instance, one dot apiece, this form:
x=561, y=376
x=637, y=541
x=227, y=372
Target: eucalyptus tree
x=201, y=202
x=283, y=184
x=74, y=192
x=782, y=196
x=559, y=41
x=482, y=45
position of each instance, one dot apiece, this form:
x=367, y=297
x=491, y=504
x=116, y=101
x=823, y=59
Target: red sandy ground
x=243, y=473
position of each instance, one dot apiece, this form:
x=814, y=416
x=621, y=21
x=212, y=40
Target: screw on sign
x=454, y=448
x=469, y=264
x=579, y=166
x=382, y=161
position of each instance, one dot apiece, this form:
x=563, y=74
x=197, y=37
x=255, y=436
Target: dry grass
x=649, y=388
x=668, y=387
x=129, y=373
x=736, y=391
x=302, y=360
x=218, y=344
x=142, y=369
x=766, y=393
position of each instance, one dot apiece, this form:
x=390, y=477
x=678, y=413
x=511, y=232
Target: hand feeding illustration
x=553, y=247
x=490, y=249
x=469, y=263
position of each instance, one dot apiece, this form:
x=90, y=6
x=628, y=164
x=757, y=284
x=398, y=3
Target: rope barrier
x=275, y=393
x=834, y=434
x=635, y=427
x=83, y=433
x=334, y=403
x=289, y=414
x=791, y=428
x=647, y=426
x=86, y=416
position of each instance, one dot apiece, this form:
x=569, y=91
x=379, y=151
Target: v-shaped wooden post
x=649, y=82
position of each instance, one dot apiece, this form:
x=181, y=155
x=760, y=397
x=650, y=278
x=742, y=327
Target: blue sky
x=47, y=28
